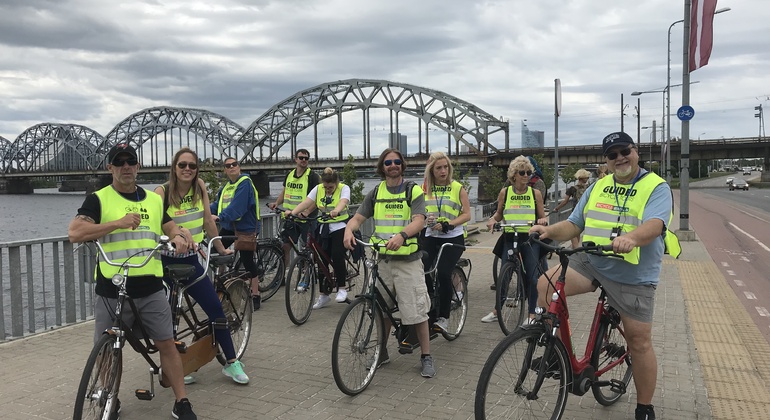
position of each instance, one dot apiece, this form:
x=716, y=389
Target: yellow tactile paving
x=735, y=364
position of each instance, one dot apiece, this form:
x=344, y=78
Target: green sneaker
x=235, y=370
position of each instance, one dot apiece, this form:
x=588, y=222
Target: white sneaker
x=342, y=295
x=322, y=301
x=528, y=321
x=442, y=323
x=490, y=317
x=189, y=379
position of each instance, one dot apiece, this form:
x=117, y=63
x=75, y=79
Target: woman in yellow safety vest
x=520, y=204
x=331, y=197
x=186, y=200
x=449, y=210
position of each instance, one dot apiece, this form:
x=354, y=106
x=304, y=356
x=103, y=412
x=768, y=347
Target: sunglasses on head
x=231, y=165
x=185, y=165
x=389, y=162
x=121, y=162
x=303, y=157
x=522, y=173
x=614, y=155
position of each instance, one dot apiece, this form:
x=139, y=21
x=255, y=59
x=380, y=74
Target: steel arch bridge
x=53, y=147
x=219, y=133
x=281, y=123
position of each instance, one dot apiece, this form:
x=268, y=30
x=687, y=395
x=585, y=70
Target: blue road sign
x=685, y=113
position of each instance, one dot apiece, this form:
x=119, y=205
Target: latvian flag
x=701, y=32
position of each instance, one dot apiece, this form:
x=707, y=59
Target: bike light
x=555, y=296
x=117, y=279
x=539, y=310
x=369, y=264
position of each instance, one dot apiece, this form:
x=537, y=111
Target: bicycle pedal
x=406, y=348
x=617, y=386
x=144, y=394
x=181, y=347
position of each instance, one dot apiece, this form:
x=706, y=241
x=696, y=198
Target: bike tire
x=356, y=280
x=610, y=346
x=98, y=390
x=458, y=312
x=510, y=298
x=237, y=305
x=300, y=289
x=508, y=376
x=357, y=346
x=495, y=269
x=269, y=261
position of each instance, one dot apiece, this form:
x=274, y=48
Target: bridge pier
x=16, y=186
x=261, y=183
x=98, y=182
x=70, y=185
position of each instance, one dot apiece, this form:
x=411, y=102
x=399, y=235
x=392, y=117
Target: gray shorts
x=154, y=310
x=407, y=280
x=635, y=301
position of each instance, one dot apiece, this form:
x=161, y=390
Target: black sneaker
x=256, y=302
x=645, y=412
x=183, y=410
x=552, y=370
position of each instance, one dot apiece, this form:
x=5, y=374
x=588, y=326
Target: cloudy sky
x=97, y=62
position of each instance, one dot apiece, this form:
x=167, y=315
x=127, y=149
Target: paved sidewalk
x=712, y=364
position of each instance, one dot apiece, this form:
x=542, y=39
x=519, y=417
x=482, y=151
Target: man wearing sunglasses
x=631, y=209
x=127, y=219
x=398, y=209
x=297, y=185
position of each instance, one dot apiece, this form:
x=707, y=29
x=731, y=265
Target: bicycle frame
x=580, y=370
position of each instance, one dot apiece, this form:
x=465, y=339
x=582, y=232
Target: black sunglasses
x=231, y=165
x=185, y=165
x=614, y=155
x=525, y=173
x=121, y=162
x=303, y=157
x=392, y=162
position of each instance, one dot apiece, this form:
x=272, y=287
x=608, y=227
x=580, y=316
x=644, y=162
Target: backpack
x=409, y=186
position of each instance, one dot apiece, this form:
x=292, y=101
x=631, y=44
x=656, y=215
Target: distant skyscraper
x=398, y=141
x=531, y=139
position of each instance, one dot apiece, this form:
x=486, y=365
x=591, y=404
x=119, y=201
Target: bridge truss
x=49, y=147
x=281, y=124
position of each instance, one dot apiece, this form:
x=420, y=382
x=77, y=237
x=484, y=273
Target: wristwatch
x=404, y=235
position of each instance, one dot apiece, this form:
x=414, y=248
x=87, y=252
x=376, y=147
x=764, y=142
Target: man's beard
x=624, y=172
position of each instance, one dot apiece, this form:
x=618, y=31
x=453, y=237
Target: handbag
x=245, y=241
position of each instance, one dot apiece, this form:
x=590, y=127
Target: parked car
x=729, y=181
x=739, y=184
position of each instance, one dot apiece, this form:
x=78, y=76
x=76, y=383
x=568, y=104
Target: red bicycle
x=515, y=383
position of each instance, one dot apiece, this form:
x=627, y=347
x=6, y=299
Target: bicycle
x=303, y=277
x=97, y=393
x=516, y=383
x=512, y=290
x=359, y=338
x=270, y=267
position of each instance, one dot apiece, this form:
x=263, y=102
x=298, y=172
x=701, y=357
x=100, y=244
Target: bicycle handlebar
x=588, y=248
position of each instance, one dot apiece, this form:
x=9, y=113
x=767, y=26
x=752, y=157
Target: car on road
x=739, y=184
x=747, y=171
x=729, y=181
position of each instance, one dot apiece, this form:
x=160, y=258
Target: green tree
x=462, y=177
x=568, y=173
x=209, y=175
x=491, y=181
x=349, y=177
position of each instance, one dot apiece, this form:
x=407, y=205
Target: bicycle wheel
x=357, y=346
x=458, y=312
x=98, y=391
x=269, y=261
x=510, y=297
x=358, y=273
x=610, y=347
x=495, y=272
x=236, y=302
x=300, y=289
x=508, y=378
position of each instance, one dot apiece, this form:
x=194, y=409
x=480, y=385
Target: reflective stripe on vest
x=188, y=214
x=228, y=192
x=391, y=215
x=120, y=244
x=325, y=207
x=602, y=213
x=519, y=209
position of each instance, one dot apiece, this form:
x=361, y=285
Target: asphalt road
x=734, y=227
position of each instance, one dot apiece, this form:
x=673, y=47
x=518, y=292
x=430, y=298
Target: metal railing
x=45, y=285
